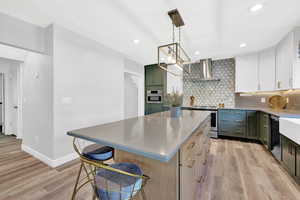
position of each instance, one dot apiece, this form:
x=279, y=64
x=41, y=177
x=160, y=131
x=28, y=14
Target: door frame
x=138, y=79
x=19, y=91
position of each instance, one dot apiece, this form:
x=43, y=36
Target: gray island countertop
x=156, y=136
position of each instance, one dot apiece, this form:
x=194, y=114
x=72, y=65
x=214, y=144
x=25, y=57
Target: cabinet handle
x=191, y=145
x=191, y=165
x=239, y=120
x=199, y=180
x=278, y=84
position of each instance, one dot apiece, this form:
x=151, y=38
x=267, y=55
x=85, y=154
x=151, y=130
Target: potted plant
x=174, y=100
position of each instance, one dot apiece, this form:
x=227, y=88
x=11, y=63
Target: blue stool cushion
x=115, y=186
x=98, y=152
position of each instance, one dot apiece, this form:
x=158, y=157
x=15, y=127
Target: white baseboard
x=64, y=159
x=45, y=159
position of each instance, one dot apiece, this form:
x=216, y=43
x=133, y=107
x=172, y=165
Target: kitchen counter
x=279, y=113
x=156, y=136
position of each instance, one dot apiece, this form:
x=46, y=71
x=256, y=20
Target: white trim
x=48, y=161
x=64, y=159
x=20, y=101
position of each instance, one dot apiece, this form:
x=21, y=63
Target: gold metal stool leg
x=143, y=194
x=76, y=183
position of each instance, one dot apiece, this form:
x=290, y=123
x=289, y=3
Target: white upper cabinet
x=296, y=55
x=284, y=62
x=246, y=73
x=267, y=70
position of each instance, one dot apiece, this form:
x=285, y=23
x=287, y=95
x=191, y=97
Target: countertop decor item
x=277, y=102
x=192, y=100
x=174, y=100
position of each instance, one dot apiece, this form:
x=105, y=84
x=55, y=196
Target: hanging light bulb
x=174, y=52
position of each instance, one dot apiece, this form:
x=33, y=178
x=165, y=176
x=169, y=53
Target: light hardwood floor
x=235, y=170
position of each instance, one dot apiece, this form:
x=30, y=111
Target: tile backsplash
x=211, y=93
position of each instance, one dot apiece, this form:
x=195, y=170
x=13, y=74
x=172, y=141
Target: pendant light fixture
x=173, y=54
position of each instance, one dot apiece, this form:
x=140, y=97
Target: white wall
x=77, y=83
x=88, y=86
x=37, y=103
x=17, y=33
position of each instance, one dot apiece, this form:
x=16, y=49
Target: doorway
x=10, y=93
x=133, y=95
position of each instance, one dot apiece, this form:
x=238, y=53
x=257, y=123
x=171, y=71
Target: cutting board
x=277, y=102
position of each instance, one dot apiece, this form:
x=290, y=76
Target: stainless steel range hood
x=206, y=69
x=201, y=71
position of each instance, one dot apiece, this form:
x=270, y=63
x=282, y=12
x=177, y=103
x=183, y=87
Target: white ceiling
x=215, y=28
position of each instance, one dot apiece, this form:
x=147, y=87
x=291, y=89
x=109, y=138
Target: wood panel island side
x=171, y=151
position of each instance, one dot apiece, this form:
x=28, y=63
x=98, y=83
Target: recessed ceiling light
x=136, y=41
x=243, y=45
x=197, y=52
x=256, y=7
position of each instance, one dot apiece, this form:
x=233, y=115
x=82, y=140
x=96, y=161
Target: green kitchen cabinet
x=264, y=129
x=288, y=156
x=153, y=108
x=298, y=162
x=154, y=75
x=232, y=122
x=252, y=131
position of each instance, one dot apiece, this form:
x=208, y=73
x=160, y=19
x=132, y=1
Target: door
x=264, y=129
x=252, y=132
x=232, y=123
x=288, y=155
x=247, y=73
x=266, y=69
x=1, y=103
x=284, y=63
x=298, y=162
x=14, y=106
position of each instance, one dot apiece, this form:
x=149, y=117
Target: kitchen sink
x=290, y=127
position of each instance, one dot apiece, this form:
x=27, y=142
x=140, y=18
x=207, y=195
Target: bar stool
x=119, y=181
x=94, y=152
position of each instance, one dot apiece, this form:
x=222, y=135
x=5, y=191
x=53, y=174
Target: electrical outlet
x=263, y=100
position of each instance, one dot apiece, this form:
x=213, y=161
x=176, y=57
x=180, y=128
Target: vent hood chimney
x=206, y=70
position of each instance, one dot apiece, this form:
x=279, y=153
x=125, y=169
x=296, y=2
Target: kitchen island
x=171, y=151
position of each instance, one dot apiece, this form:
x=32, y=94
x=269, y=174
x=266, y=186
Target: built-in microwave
x=154, y=96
